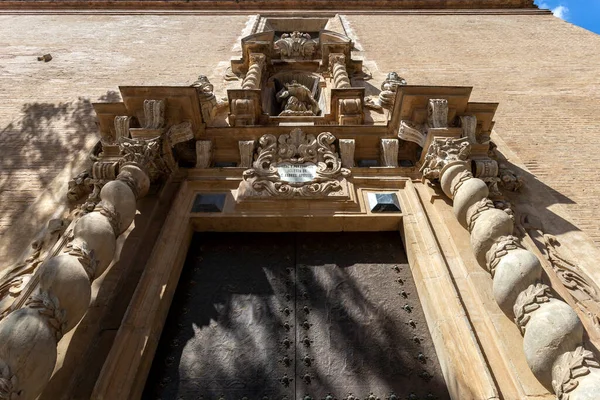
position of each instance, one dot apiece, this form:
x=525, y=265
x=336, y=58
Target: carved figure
x=296, y=45
x=206, y=96
x=297, y=99
x=389, y=87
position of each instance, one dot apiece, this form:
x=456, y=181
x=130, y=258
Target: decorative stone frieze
x=389, y=87
x=389, y=152
x=295, y=165
x=347, y=147
x=437, y=113
x=253, y=78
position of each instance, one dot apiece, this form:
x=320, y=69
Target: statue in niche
x=296, y=99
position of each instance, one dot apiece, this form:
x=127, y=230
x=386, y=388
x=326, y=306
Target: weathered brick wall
x=541, y=70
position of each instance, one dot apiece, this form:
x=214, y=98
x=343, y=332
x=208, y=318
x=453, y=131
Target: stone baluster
x=337, y=67
x=253, y=78
x=29, y=335
x=552, y=332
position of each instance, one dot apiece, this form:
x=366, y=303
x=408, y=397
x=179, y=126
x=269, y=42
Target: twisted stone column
x=552, y=332
x=337, y=66
x=254, y=76
x=29, y=335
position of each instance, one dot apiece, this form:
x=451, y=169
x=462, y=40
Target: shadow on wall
x=44, y=141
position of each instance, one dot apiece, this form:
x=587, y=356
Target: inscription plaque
x=297, y=173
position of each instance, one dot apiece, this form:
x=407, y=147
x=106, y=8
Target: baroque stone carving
x=297, y=99
x=441, y=153
x=85, y=256
x=574, y=279
x=347, y=147
x=246, y=152
x=206, y=96
x=8, y=383
x=253, y=78
x=79, y=186
x=319, y=166
x=389, y=152
x=437, y=113
x=389, y=87
x=476, y=210
x=48, y=306
x=122, y=125
x=499, y=249
x=568, y=368
x=509, y=180
x=528, y=301
x=147, y=154
x=296, y=45
x=411, y=133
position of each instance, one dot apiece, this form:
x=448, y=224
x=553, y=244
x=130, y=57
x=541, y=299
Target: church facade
x=255, y=200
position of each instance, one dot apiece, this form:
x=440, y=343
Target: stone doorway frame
x=465, y=370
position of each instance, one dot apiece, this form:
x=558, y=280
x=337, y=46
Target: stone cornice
x=267, y=4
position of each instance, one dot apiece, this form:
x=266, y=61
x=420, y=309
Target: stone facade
x=542, y=127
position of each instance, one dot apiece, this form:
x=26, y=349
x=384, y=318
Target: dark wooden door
x=296, y=316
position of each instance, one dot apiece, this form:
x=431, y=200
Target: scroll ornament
x=296, y=149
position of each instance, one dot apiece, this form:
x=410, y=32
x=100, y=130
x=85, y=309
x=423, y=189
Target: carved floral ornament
x=295, y=165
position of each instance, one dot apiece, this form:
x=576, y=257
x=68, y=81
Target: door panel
x=284, y=316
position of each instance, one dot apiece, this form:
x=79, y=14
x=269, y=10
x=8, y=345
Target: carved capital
x=441, y=152
x=148, y=155
x=528, y=301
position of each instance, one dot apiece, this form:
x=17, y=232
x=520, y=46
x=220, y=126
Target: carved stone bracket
x=469, y=127
x=347, y=147
x=203, y=153
x=122, y=125
x=437, y=113
x=295, y=165
x=206, y=96
x=389, y=152
x=180, y=133
x=441, y=152
x=246, y=152
x=411, y=133
x=154, y=114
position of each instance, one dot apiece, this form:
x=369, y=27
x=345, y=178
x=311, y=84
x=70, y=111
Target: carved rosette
x=295, y=149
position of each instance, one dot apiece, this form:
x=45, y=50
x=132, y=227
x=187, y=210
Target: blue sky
x=585, y=13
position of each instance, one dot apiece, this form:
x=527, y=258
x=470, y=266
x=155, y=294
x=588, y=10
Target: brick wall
x=543, y=72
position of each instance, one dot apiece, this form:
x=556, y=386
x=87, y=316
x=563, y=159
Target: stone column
x=552, y=332
x=256, y=65
x=29, y=335
x=337, y=67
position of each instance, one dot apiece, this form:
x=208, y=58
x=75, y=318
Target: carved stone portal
x=295, y=165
